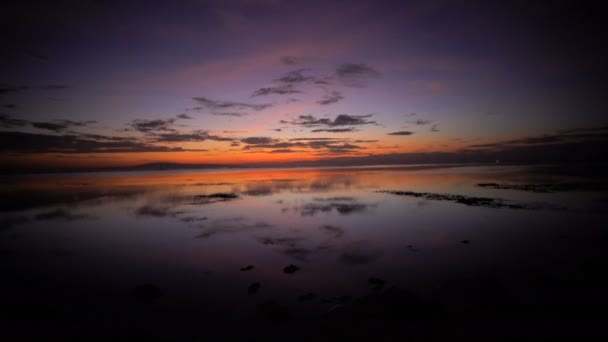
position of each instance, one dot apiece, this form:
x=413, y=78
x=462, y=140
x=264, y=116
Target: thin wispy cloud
x=296, y=60
x=356, y=75
x=401, y=133
x=333, y=97
x=195, y=136
x=234, y=114
x=421, y=122
x=15, y=89
x=335, y=130
x=147, y=126
x=328, y=145
x=579, y=135
x=7, y=121
x=280, y=90
x=257, y=140
x=220, y=105
x=317, y=139
x=296, y=76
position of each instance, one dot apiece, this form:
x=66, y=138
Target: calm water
x=93, y=240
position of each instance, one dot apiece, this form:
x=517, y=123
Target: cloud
x=579, y=135
x=283, y=150
x=215, y=105
x=60, y=125
x=296, y=76
x=235, y=114
x=308, y=121
x=352, y=69
x=331, y=145
x=12, y=89
x=340, y=120
x=6, y=121
x=184, y=116
x=356, y=75
x=195, y=136
x=20, y=142
x=435, y=128
x=258, y=140
x=335, y=130
x=233, y=132
x=49, y=126
x=349, y=120
x=317, y=139
x=147, y=126
x=277, y=146
x=295, y=60
x=4, y=89
x=401, y=133
x=280, y=90
x=420, y=122
x=274, y=145
x=333, y=97
x=584, y=130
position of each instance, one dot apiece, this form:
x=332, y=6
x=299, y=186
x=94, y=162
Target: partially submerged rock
x=146, y=293
x=290, y=269
x=466, y=200
x=545, y=187
x=307, y=297
x=254, y=288
x=215, y=197
x=273, y=311
x=376, y=283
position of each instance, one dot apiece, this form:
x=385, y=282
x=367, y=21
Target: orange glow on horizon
x=392, y=145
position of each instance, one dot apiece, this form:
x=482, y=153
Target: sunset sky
x=115, y=83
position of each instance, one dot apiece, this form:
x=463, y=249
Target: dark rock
x=377, y=283
x=219, y=195
x=247, y=268
x=253, y=288
x=465, y=241
x=461, y=199
x=146, y=293
x=291, y=269
x=212, y=198
x=307, y=297
x=273, y=311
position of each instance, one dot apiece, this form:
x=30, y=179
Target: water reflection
x=222, y=240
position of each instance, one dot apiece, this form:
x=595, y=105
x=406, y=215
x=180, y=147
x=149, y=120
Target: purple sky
x=246, y=81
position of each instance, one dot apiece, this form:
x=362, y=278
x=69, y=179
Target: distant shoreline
x=176, y=167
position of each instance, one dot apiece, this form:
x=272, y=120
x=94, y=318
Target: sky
x=89, y=84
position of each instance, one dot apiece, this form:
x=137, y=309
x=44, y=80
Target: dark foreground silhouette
x=471, y=308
